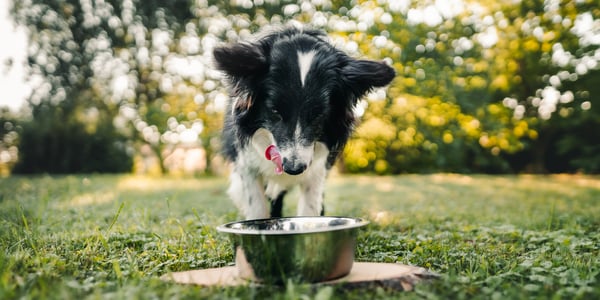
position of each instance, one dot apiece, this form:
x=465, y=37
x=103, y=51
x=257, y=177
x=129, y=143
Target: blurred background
x=95, y=86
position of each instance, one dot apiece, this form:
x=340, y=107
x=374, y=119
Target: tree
x=9, y=139
x=520, y=73
x=553, y=46
x=455, y=122
x=483, y=86
x=78, y=49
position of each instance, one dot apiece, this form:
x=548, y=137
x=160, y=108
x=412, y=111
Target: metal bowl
x=303, y=249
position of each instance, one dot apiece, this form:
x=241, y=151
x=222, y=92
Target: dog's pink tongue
x=273, y=155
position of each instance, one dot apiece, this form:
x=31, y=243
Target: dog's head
x=300, y=88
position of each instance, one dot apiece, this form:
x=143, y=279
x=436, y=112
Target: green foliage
x=421, y=135
x=52, y=147
x=547, y=46
x=496, y=71
x=489, y=87
x=113, y=236
x=72, y=137
x=9, y=140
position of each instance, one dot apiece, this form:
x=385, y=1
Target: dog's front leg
x=247, y=193
x=311, y=196
x=311, y=190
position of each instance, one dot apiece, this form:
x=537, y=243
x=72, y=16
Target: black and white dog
x=289, y=116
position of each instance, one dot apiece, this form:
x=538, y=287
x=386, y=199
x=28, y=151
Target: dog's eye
x=275, y=115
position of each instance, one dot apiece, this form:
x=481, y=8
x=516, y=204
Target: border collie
x=289, y=116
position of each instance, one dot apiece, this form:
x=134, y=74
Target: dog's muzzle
x=294, y=166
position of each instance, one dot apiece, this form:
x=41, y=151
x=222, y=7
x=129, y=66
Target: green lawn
x=499, y=237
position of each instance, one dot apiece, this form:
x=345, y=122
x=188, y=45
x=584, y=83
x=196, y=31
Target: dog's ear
x=240, y=60
x=361, y=76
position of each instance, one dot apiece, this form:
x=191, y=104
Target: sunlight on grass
x=518, y=200
x=150, y=183
x=89, y=199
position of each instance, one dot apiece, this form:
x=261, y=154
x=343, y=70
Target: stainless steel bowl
x=303, y=249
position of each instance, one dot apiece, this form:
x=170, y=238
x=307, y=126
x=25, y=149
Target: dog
x=289, y=116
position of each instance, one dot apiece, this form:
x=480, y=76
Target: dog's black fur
x=302, y=90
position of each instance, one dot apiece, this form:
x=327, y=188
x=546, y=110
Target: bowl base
x=363, y=274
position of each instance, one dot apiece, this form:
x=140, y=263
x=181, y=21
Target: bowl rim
x=226, y=228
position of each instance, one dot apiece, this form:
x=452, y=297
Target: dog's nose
x=293, y=167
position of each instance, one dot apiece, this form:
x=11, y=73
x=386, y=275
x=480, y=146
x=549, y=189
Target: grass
x=498, y=237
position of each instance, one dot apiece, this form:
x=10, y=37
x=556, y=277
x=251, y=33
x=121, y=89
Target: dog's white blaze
x=304, y=62
x=297, y=132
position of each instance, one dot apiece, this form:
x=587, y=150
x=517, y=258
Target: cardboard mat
x=363, y=274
